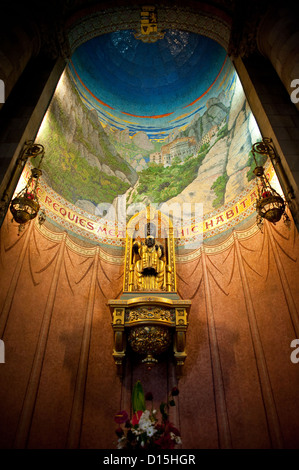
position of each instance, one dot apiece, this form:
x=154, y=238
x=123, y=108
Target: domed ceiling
x=133, y=123
x=147, y=87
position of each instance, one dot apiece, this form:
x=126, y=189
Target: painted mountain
x=81, y=164
x=199, y=155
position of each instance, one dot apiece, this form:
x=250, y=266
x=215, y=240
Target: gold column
x=181, y=325
x=119, y=350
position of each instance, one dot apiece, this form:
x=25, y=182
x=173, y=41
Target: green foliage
x=176, y=161
x=261, y=160
x=164, y=414
x=160, y=184
x=204, y=147
x=130, y=151
x=223, y=131
x=138, y=398
x=71, y=175
x=219, y=187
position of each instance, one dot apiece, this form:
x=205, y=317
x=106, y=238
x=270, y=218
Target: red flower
x=121, y=417
x=119, y=432
x=136, y=417
x=165, y=442
x=149, y=396
x=160, y=427
x=174, y=430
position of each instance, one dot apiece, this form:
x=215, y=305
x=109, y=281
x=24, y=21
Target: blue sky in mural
x=149, y=87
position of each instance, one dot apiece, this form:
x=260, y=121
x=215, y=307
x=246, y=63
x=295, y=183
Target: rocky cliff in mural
x=216, y=112
x=81, y=164
x=224, y=171
x=220, y=168
x=135, y=149
x=89, y=163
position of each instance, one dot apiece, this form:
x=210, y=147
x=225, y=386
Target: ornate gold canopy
x=150, y=257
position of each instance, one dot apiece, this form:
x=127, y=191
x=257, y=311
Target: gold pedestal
x=149, y=323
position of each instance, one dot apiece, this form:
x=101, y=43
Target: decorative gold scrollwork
x=149, y=313
x=153, y=339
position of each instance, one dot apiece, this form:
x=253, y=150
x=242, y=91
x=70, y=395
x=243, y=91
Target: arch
x=200, y=19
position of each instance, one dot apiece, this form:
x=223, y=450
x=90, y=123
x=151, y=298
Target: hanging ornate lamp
x=25, y=206
x=269, y=204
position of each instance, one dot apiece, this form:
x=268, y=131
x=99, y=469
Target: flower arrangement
x=144, y=431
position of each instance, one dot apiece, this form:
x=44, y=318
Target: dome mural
x=141, y=87
x=133, y=124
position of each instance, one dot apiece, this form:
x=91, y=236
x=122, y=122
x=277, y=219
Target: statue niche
x=149, y=262
x=149, y=316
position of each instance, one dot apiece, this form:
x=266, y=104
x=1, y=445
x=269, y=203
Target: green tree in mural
x=219, y=187
x=261, y=160
x=78, y=180
x=159, y=183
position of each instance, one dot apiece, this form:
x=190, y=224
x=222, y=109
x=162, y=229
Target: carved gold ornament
x=149, y=32
x=149, y=317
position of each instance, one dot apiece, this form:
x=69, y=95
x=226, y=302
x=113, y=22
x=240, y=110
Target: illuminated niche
x=149, y=317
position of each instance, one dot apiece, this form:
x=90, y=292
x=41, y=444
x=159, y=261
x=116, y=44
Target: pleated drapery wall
x=59, y=387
